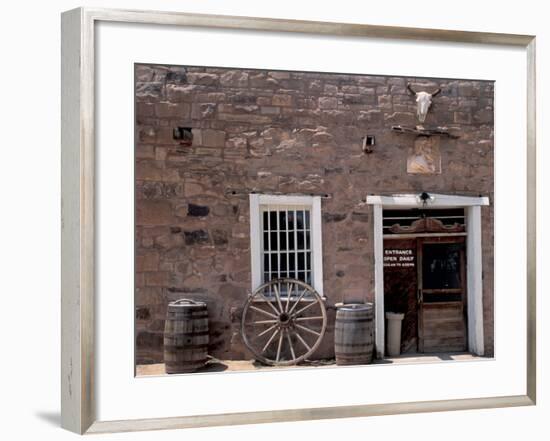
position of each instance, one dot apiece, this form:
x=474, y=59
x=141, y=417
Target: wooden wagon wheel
x=283, y=322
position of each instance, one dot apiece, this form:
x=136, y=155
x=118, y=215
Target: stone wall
x=283, y=132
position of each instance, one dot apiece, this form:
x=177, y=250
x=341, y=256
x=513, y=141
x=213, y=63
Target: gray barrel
x=354, y=334
x=185, y=336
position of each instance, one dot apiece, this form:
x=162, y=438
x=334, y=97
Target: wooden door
x=441, y=295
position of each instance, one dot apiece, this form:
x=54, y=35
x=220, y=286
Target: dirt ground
x=214, y=365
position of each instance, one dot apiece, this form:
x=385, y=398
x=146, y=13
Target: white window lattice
x=286, y=243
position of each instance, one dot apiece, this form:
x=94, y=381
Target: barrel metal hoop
x=184, y=334
x=361, y=320
x=186, y=346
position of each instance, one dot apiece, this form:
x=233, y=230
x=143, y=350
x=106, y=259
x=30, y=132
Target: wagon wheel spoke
x=270, y=340
x=311, y=331
x=278, y=297
x=264, y=322
x=290, y=345
x=269, y=302
x=267, y=330
x=297, y=301
x=305, y=308
x=289, y=289
x=299, y=337
x=277, y=358
x=255, y=308
x=307, y=319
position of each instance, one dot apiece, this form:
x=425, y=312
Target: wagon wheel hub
x=284, y=319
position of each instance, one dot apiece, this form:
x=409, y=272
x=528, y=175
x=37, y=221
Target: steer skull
x=423, y=102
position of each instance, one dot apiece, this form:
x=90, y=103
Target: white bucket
x=394, y=333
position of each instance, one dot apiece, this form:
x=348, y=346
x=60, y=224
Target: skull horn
x=437, y=92
x=410, y=89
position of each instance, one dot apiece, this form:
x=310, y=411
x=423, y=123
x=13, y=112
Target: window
x=286, y=239
x=286, y=242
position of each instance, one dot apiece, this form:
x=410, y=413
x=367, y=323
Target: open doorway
x=425, y=278
x=430, y=216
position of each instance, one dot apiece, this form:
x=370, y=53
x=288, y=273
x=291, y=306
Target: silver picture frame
x=78, y=400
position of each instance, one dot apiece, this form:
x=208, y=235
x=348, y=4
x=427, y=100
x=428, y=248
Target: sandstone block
x=231, y=291
x=203, y=79
x=270, y=110
x=147, y=262
x=172, y=110
x=483, y=116
x=315, y=86
x=385, y=102
x=154, y=212
x=145, y=109
x=400, y=118
x=211, y=97
x=144, y=151
x=213, y=138
x=468, y=89
x=252, y=119
x=236, y=143
x=147, y=134
x=149, y=339
x=371, y=116
x=264, y=101
x=157, y=278
x=140, y=280
x=220, y=237
x=169, y=241
x=262, y=81
x=196, y=237
x=358, y=216
x=144, y=73
x=234, y=78
x=278, y=75
x=358, y=99
x=176, y=92
x=143, y=313
x=282, y=100
x=150, y=90
x=149, y=296
x=177, y=75
x=328, y=102
x=330, y=89
x=203, y=110
x=247, y=108
x=396, y=82
x=462, y=117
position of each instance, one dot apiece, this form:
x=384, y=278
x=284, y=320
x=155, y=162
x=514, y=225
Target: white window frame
x=314, y=204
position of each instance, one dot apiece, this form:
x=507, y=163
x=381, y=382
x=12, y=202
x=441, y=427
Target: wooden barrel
x=354, y=334
x=185, y=336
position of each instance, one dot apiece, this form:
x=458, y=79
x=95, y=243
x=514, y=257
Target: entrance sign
x=399, y=258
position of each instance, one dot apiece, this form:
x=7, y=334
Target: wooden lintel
x=420, y=131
